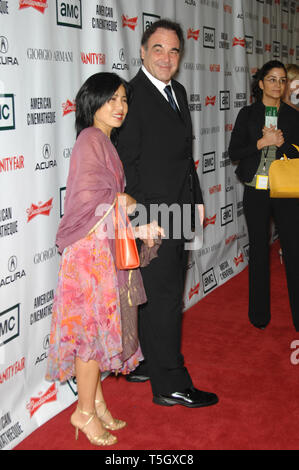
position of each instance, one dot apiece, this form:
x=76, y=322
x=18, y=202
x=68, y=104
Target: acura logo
x=3, y=45
x=46, y=342
x=46, y=151
x=12, y=264
x=121, y=55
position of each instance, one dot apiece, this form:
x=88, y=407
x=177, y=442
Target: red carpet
x=249, y=369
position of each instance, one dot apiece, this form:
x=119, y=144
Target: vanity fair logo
x=94, y=58
x=39, y=5
x=11, y=371
x=129, y=22
x=11, y=163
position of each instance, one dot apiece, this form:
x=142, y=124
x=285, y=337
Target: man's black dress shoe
x=192, y=398
x=133, y=377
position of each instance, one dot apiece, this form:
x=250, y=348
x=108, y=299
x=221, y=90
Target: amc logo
x=208, y=162
x=209, y=280
x=149, y=19
x=9, y=324
x=69, y=13
x=227, y=214
x=7, y=112
x=224, y=99
x=209, y=37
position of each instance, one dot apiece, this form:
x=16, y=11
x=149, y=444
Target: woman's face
x=112, y=113
x=273, y=84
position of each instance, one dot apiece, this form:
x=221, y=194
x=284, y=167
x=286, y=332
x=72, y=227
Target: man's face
x=161, y=55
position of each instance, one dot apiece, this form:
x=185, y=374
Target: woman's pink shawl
x=95, y=176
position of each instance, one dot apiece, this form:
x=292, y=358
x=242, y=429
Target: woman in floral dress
x=94, y=320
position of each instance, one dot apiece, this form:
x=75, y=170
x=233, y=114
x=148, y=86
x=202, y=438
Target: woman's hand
x=271, y=136
x=149, y=233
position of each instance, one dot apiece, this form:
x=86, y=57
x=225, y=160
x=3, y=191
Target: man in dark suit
x=155, y=146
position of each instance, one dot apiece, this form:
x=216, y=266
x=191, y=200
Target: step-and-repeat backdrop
x=47, y=49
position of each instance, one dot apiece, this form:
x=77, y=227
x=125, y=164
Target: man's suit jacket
x=155, y=146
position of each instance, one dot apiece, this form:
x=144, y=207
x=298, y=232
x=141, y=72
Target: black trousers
x=160, y=320
x=258, y=210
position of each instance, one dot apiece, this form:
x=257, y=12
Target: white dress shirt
x=159, y=85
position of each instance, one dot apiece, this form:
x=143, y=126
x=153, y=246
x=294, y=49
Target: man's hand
x=148, y=233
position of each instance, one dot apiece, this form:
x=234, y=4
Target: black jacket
x=248, y=130
x=155, y=146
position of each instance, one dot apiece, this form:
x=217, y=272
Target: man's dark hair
x=165, y=24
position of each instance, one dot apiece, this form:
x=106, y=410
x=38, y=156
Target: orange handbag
x=127, y=256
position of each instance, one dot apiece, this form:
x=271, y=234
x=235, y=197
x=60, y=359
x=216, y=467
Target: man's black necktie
x=170, y=97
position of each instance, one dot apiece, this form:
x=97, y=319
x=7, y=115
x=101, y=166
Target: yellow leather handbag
x=284, y=177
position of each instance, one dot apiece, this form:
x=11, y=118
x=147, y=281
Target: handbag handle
x=124, y=221
x=104, y=216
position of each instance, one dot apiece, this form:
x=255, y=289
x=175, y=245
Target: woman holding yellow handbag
x=264, y=132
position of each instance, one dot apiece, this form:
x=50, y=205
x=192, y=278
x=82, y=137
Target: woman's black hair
x=260, y=75
x=93, y=94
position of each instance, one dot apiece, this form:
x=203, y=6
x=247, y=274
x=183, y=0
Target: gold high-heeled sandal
x=106, y=439
x=114, y=425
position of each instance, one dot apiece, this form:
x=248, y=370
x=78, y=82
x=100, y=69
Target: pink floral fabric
x=86, y=318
